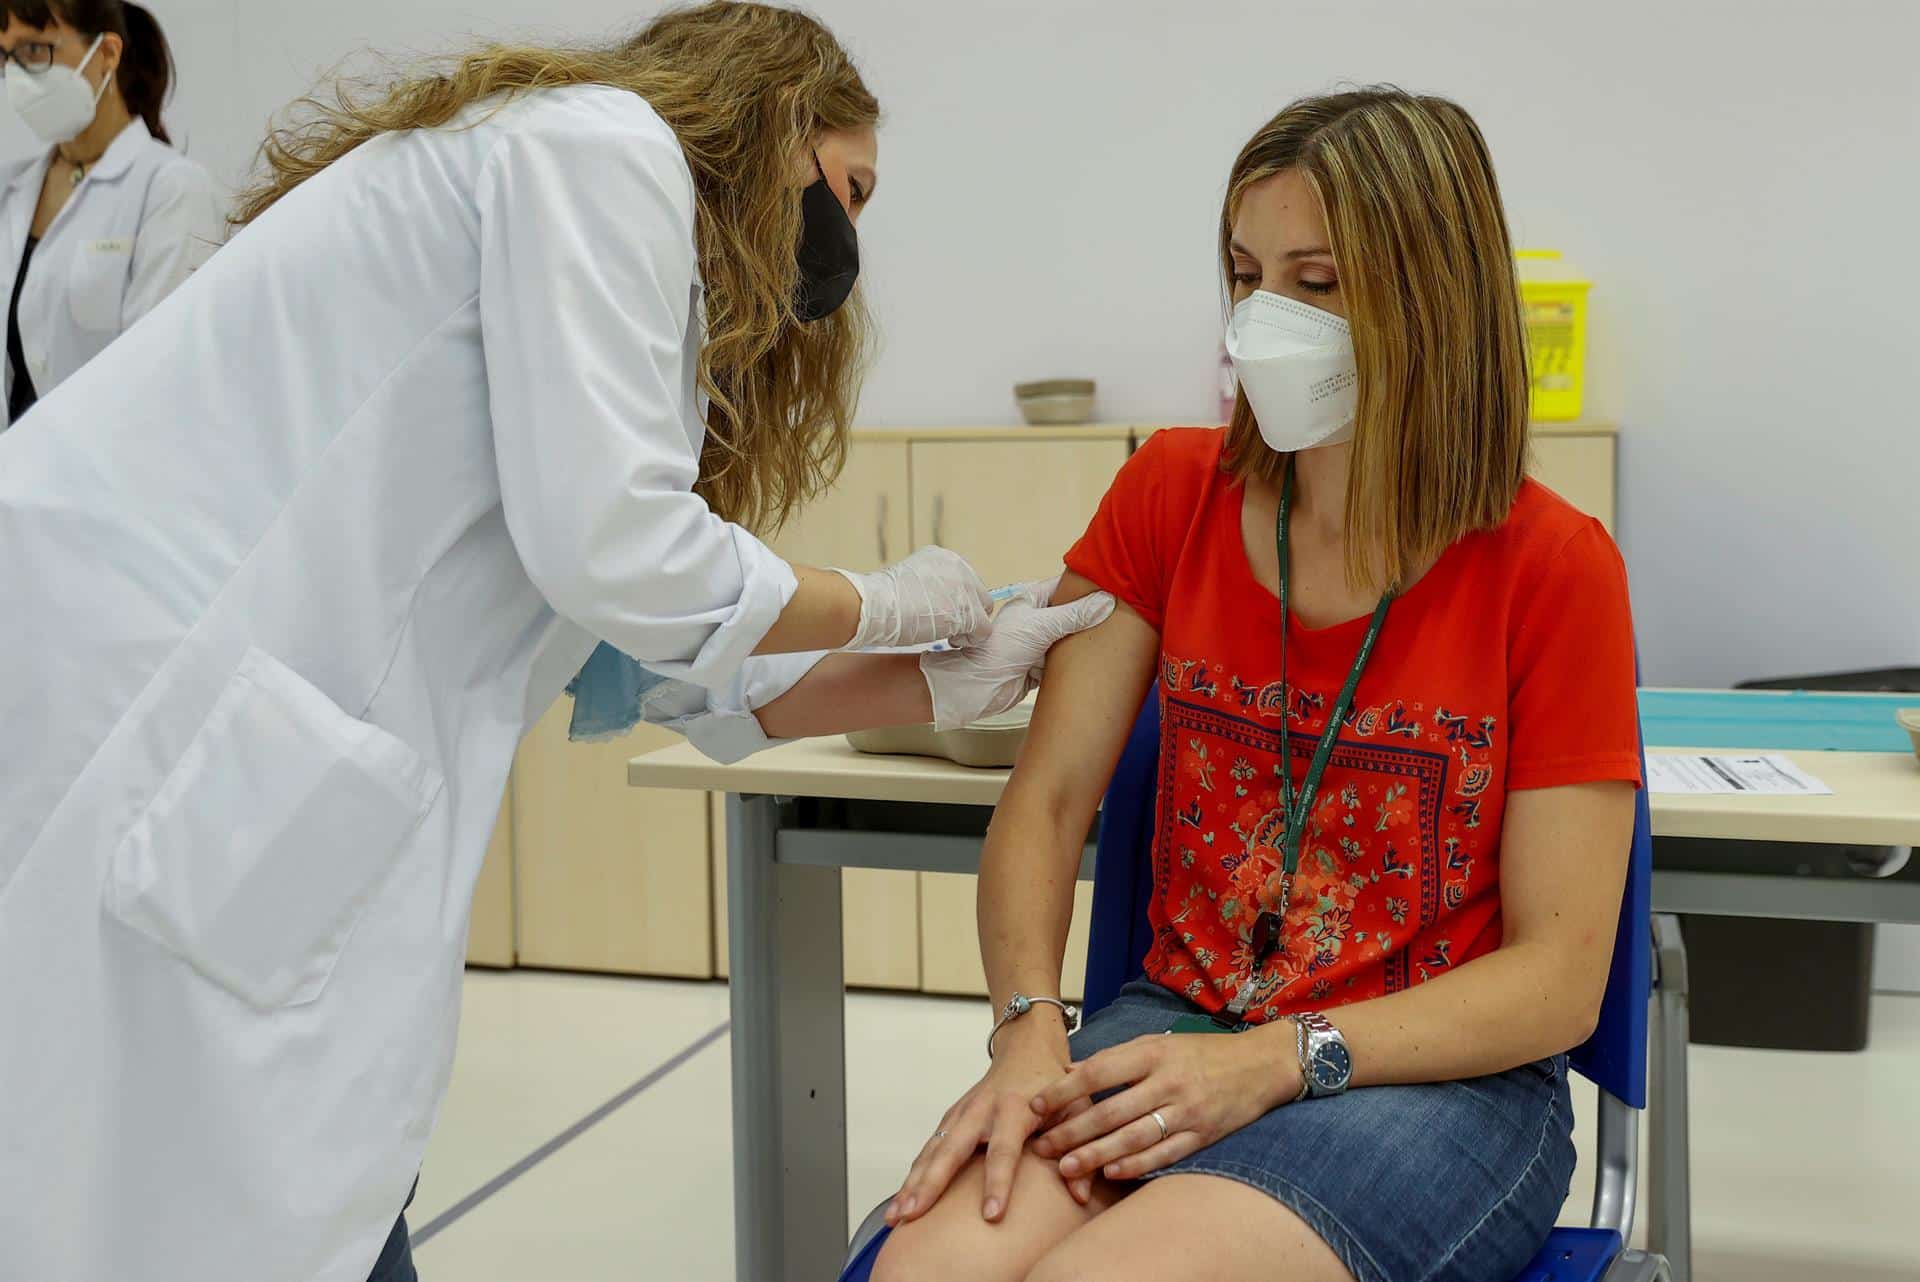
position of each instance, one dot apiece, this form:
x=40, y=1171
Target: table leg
x=1669, y=1182
x=789, y=1056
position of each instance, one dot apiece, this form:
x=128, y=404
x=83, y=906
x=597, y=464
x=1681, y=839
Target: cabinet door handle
x=939, y=518
x=880, y=528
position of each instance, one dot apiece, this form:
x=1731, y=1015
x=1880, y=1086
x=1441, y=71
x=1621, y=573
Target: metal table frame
x=789, y=1012
x=1716, y=894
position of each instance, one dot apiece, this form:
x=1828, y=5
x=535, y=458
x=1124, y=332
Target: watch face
x=1332, y=1066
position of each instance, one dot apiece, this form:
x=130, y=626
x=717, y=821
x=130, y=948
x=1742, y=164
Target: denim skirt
x=1442, y=1182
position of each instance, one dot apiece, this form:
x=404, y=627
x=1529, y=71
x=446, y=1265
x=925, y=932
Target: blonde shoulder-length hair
x=1419, y=238
x=745, y=87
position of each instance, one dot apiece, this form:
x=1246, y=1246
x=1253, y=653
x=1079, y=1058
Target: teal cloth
x=1790, y=720
x=607, y=695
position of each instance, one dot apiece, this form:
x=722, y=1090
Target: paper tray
x=991, y=743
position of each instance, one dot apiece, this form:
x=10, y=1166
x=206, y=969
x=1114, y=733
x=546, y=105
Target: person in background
x=106, y=221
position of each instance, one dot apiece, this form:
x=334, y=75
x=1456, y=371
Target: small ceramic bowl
x=1055, y=401
x=1909, y=719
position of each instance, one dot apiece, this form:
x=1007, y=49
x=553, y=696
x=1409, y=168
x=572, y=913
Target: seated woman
x=1396, y=789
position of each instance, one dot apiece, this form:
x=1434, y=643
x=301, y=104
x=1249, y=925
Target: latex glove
x=933, y=595
x=1002, y=668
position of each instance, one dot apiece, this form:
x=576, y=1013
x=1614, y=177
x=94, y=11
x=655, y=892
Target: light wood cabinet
x=717, y=874
x=950, y=942
x=1578, y=465
x=861, y=523
x=1012, y=508
x=608, y=877
x=490, y=930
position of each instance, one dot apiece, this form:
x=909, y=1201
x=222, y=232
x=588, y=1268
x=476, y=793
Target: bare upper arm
x=1072, y=587
x=1563, y=867
x=1094, y=685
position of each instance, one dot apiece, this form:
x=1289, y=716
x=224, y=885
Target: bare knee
x=1067, y=1262
x=942, y=1249
x=1058, y=1266
x=952, y=1243
x=905, y=1257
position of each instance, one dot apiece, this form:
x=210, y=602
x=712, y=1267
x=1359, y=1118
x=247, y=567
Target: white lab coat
x=287, y=573
x=139, y=222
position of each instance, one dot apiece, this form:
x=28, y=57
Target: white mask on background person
x=57, y=104
x=1295, y=363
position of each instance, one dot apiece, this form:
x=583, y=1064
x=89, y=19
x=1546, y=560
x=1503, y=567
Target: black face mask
x=829, y=251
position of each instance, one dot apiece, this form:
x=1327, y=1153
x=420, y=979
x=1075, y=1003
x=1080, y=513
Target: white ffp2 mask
x=1295, y=363
x=58, y=103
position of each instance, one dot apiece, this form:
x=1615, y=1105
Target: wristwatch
x=1325, y=1063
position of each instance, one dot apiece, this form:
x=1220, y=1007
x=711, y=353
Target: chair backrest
x=1119, y=936
x=1615, y=1056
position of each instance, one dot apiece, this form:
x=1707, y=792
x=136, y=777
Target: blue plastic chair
x=1614, y=1058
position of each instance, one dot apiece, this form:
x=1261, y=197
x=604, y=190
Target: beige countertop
x=1876, y=797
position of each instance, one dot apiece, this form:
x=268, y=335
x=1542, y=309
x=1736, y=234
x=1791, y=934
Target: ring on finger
x=1160, y=1122
x=939, y=1135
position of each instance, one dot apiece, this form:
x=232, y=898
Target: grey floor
x=585, y=1137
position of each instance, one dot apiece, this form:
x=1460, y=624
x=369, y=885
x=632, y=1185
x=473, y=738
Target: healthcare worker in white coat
x=104, y=219
x=287, y=572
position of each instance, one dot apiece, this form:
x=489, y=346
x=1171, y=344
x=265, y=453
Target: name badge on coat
x=122, y=245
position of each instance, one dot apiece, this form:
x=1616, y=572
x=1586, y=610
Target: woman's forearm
x=1563, y=861
x=1515, y=1005
x=846, y=692
x=823, y=614
x=1028, y=868
x=1031, y=861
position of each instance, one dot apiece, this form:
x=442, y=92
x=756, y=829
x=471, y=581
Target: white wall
x=1740, y=180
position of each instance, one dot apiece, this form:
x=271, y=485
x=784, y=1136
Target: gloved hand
x=933, y=595
x=1002, y=668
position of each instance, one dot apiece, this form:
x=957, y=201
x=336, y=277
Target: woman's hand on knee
x=1181, y=1094
x=994, y=1113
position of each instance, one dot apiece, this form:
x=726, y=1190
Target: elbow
x=1577, y=1003
x=1583, y=1020
x=658, y=579
x=1058, y=800
x=591, y=580
x=556, y=551
x=1564, y=990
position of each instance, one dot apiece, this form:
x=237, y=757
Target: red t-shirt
x=1508, y=665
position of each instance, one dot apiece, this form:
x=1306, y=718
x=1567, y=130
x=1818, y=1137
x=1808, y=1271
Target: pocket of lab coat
x=257, y=856
x=97, y=283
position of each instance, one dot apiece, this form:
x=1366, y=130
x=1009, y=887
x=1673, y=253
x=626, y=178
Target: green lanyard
x=1267, y=927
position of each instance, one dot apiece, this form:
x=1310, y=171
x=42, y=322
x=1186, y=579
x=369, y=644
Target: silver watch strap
x=1314, y=1029
x=1314, y=1022
x=1300, y=1050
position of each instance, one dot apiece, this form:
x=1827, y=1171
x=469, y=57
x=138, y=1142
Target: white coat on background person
x=117, y=218
x=287, y=573
x=134, y=229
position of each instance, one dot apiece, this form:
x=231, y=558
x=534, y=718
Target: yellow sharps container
x=1553, y=298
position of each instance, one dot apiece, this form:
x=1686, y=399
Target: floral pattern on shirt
x=1398, y=867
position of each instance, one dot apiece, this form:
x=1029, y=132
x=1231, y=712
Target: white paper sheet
x=1760, y=775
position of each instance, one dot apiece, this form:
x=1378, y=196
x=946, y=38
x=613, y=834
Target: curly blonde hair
x=745, y=87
